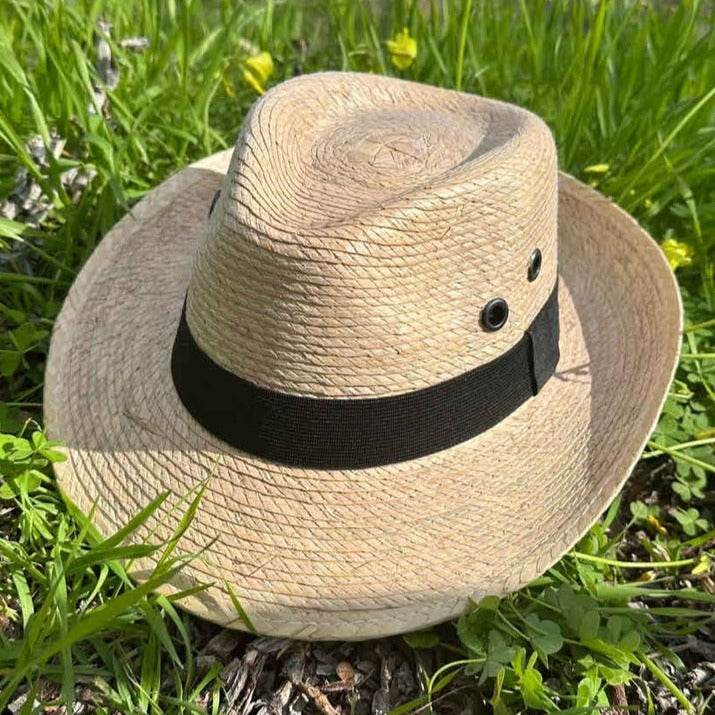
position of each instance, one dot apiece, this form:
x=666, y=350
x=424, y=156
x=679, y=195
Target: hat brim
x=355, y=554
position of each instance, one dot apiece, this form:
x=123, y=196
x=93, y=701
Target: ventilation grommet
x=495, y=314
x=534, y=264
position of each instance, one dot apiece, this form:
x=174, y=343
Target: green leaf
x=12, y=229
x=690, y=521
x=617, y=654
x=421, y=639
x=588, y=625
x=490, y=669
x=97, y=556
x=158, y=627
x=615, y=676
x=499, y=708
x=240, y=610
x=498, y=685
x=615, y=626
x=489, y=603
x=24, y=336
x=630, y=641
x=184, y=524
x=682, y=490
x=472, y=629
x=8, y=61
x=530, y=683
x=38, y=440
x=9, y=363
x=23, y=483
x=53, y=455
x=14, y=449
x=24, y=596
x=544, y=635
x=499, y=651
x=639, y=510
x=588, y=689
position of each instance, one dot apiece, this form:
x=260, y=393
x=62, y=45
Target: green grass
x=628, y=89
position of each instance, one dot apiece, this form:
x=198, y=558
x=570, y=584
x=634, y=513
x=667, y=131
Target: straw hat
x=366, y=351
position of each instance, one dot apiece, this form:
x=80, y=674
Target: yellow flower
x=705, y=434
x=657, y=526
x=677, y=253
x=258, y=69
x=597, y=169
x=403, y=49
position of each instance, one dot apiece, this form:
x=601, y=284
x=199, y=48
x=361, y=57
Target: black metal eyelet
x=213, y=201
x=534, y=265
x=495, y=314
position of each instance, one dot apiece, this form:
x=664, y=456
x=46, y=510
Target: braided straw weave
x=363, y=224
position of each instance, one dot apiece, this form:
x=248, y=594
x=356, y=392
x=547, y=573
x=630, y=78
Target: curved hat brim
x=355, y=554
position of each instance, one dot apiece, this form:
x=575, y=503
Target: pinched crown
x=364, y=224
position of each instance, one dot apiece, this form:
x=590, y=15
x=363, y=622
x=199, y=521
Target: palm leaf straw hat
x=414, y=361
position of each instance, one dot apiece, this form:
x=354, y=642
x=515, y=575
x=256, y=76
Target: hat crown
x=362, y=227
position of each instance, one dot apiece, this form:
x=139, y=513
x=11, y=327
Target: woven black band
x=354, y=433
